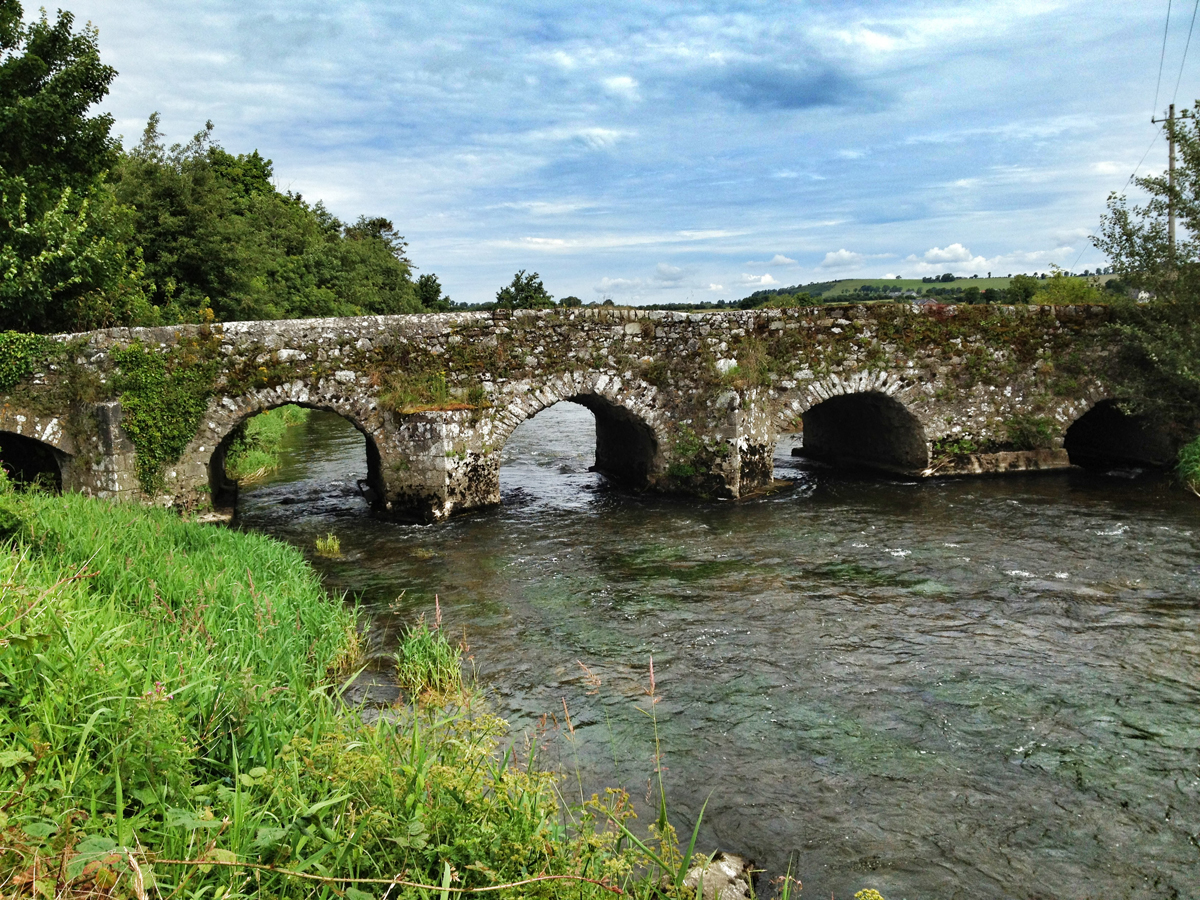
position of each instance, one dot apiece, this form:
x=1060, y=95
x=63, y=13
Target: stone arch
x=206, y=454
x=1106, y=436
x=28, y=460
x=629, y=427
x=869, y=429
x=859, y=420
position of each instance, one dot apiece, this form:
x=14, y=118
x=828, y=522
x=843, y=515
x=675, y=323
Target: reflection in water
x=984, y=688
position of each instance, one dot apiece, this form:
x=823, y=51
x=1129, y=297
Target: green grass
x=850, y=285
x=427, y=662
x=1189, y=465
x=170, y=722
x=254, y=450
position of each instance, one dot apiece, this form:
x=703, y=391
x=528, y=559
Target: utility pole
x=1170, y=123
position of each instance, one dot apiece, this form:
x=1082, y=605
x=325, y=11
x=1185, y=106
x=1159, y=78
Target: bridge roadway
x=688, y=403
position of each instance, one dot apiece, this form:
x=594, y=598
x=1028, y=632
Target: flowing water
x=972, y=688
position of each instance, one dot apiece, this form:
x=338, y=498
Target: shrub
x=1189, y=465
x=1029, y=432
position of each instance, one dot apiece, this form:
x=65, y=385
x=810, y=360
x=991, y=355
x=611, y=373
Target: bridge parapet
x=684, y=402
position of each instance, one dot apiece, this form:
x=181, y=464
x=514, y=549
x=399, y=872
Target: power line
x=1161, y=58
x=1153, y=141
x=1185, y=51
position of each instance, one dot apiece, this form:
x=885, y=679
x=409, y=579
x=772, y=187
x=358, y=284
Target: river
x=968, y=688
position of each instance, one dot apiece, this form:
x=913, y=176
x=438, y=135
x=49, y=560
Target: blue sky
x=661, y=152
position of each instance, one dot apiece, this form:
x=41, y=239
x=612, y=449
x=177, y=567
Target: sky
x=676, y=152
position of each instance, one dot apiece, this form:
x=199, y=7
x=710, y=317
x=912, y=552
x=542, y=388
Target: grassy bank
x=254, y=450
x=169, y=727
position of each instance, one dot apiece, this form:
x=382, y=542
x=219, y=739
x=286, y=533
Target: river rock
x=726, y=876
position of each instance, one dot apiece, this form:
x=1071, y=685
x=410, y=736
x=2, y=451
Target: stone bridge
x=688, y=403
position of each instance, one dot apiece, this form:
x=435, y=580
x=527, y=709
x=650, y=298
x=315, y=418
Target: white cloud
x=594, y=137
x=851, y=154
x=777, y=260
x=748, y=278
x=544, y=208
x=1105, y=168
x=671, y=274
x=953, y=253
x=622, y=86
x=716, y=287
x=608, y=241
x=842, y=259
x=961, y=261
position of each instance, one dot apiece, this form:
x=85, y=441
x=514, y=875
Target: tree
x=1159, y=343
x=524, y=292
x=429, y=294
x=49, y=79
x=216, y=233
x=1021, y=288
x=67, y=260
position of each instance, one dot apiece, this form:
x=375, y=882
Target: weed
x=21, y=354
x=164, y=395
x=329, y=546
x=426, y=661
x=1030, y=432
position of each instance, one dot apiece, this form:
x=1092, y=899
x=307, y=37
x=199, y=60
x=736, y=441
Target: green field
x=850, y=285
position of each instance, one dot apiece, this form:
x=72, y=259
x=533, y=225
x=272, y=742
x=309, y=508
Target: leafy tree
x=1061, y=289
x=216, y=233
x=570, y=302
x=972, y=295
x=429, y=294
x=1021, y=288
x=66, y=261
x=524, y=292
x=49, y=78
x=71, y=268
x=1159, y=342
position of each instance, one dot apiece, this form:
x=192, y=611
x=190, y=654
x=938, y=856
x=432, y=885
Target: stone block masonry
x=688, y=403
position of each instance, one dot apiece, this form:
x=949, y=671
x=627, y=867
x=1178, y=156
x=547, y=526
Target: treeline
x=95, y=235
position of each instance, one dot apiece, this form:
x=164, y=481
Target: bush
x=1189, y=465
x=1029, y=432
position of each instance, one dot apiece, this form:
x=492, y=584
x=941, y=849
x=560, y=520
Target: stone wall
x=689, y=403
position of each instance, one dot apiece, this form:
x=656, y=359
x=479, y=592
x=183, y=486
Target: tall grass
x=169, y=725
x=254, y=450
x=1189, y=465
x=426, y=661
